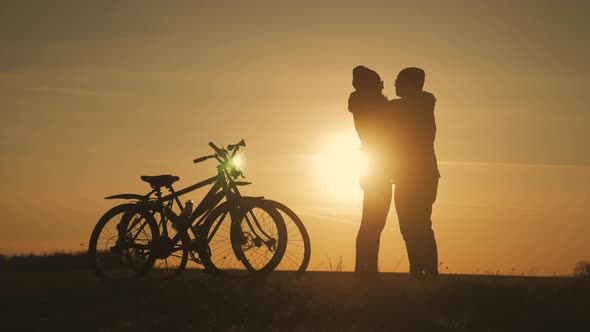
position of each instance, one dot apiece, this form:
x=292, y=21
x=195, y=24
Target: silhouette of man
x=416, y=174
x=369, y=108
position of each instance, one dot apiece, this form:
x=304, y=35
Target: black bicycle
x=239, y=236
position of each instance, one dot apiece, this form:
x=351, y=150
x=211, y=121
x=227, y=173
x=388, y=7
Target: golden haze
x=94, y=95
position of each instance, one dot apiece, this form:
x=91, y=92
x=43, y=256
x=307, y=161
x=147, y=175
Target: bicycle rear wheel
x=298, y=250
x=120, y=247
x=171, y=256
x=253, y=243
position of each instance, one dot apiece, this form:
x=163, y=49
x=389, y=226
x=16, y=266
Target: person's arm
x=356, y=104
x=394, y=112
x=421, y=117
x=427, y=102
x=367, y=117
x=363, y=126
x=354, y=107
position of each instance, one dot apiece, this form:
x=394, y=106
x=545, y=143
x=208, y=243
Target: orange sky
x=94, y=95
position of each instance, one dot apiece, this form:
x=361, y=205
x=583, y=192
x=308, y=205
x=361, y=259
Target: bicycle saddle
x=158, y=181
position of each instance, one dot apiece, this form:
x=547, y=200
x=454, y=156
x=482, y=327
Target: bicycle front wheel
x=120, y=247
x=253, y=243
x=298, y=250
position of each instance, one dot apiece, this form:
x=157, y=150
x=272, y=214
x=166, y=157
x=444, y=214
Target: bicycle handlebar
x=230, y=148
x=222, y=154
x=218, y=150
x=198, y=160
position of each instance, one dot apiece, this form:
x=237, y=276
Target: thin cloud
x=322, y=217
x=520, y=165
x=306, y=157
x=317, y=157
x=69, y=91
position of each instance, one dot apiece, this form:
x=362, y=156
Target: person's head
x=365, y=79
x=410, y=81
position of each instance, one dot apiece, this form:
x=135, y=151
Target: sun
x=340, y=165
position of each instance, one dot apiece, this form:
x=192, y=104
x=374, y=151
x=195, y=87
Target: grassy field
x=320, y=301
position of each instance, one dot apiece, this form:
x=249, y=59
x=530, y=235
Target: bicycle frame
x=211, y=200
x=223, y=186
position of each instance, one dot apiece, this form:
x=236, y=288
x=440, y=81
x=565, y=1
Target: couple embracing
x=398, y=137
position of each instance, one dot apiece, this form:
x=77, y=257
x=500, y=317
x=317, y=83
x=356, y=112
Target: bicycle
x=241, y=245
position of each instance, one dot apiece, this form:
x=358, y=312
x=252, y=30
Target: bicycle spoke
x=117, y=253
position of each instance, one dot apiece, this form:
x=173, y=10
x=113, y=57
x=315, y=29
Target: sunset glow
x=94, y=96
x=339, y=166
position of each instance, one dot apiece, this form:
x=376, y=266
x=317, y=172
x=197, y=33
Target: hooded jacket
x=369, y=115
x=416, y=134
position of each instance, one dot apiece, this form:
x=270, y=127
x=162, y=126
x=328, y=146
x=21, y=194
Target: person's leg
x=376, y=203
x=405, y=207
x=428, y=241
x=363, y=234
x=381, y=209
x=413, y=202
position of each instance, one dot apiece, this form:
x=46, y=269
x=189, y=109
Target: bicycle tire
x=229, y=254
x=132, y=260
x=298, y=251
x=168, y=264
